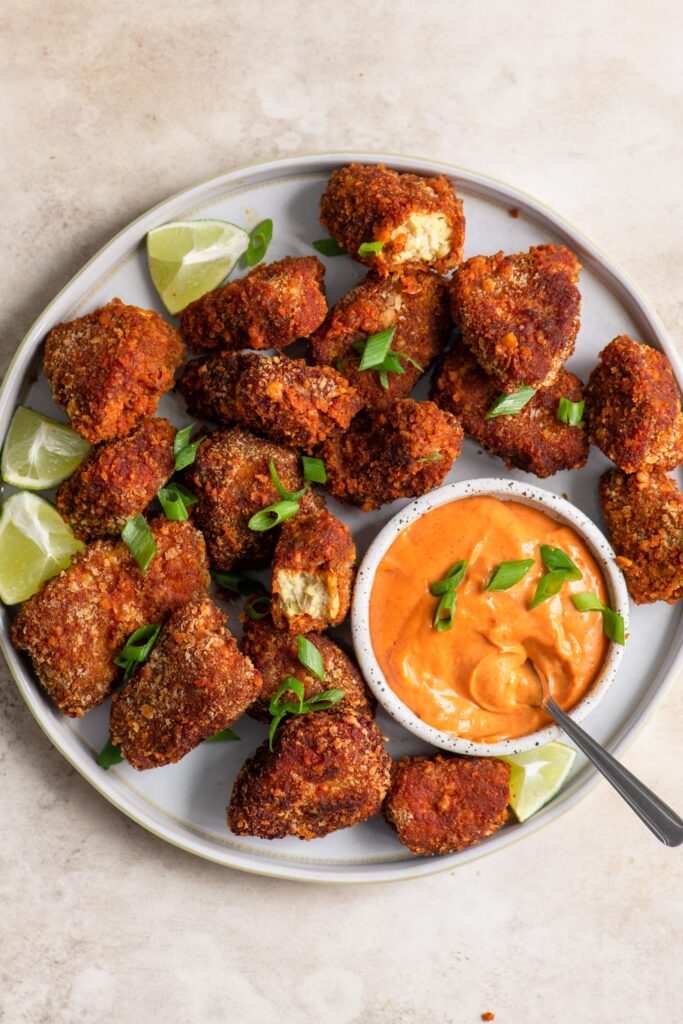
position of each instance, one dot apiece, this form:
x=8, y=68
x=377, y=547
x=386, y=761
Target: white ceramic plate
x=184, y=803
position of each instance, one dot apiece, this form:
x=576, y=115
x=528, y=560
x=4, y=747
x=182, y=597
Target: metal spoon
x=658, y=817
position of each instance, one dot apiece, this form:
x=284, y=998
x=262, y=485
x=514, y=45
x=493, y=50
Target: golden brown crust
x=274, y=653
x=534, y=439
x=78, y=622
x=271, y=307
x=368, y=203
x=231, y=480
x=389, y=454
x=194, y=683
x=118, y=479
x=282, y=398
x=519, y=314
x=439, y=805
x=644, y=516
x=327, y=770
x=633, y=407
x=109, y=369
x=416, y=304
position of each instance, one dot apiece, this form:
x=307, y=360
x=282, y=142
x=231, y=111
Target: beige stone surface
x=105, y=109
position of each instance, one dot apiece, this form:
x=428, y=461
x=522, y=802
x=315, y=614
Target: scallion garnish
x=508, y=574
x=222, y=735
x=175, y=501
x=328, y=247
x=184, y=450
x=257, y=607
x=259, y=240
x=139, y=539
x=370, y=248
x=283, y=493
x=273, y=515
x=570, y=412
x=376, y=354
x=109, y=755
x=314, y=470
x=561, y=570
x=137, y=649
x=445, y=590
x=510, y=405
x=431, y=458
x=450, y=581
x=279, y=708
x=237, y=583
x=310, y=657
x=612, y=622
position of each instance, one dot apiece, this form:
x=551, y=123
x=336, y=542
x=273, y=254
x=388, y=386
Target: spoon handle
x=658, y=817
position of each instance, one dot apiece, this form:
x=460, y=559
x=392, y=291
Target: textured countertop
x=105, y=109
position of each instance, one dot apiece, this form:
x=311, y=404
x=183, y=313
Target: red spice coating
x=109, y=369
x=439, y=805
x=269, y=308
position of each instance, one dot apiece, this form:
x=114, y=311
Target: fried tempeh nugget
x=118, y=479
x=401, y=452
x=633, y=407
x=194, y=683
x=439, y=805
x=644, y=516
x=415, y=304
x=282, y=398
x=271, y=307
x=519, y=314
x=313, y=570
x=418, y=220
x=109, y=369
x=78, y=622
x=274, y=653
x=534, y=439
x=328, y=770
x=231, y=480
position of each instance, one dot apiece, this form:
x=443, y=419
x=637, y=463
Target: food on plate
x=74, y=627
x=399, y=452
x=533, y=439
x=118, y=479
x=274, y=653
x=282, y=398
x=39, y=452
x=519, y=315
x=466, y=613
x=109, y=369
x=442, y=804
x=313, y=570
x=327, y=770
x=644, y=516
x=35, y=545
x=271, y=307
x=633, y=407
x=194, y=684
x=393, y=221
x=413, y=305
x=231, y=481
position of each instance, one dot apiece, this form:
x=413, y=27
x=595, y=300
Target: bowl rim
x=506, y=490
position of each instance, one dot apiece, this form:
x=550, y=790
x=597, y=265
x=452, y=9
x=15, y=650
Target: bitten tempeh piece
x=271, y=307
x=194, y=683
x=418, y=220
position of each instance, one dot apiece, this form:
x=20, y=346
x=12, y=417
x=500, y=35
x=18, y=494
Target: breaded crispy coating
x=328, y=770
x=633, y=407
x=269, y=308
x=313, y=570
x=519, y=314
x=79, y=621
x=644, y=516
x=418, y=220
x=400, y=452
x=274, y=653
x=442, y=804
x=415, y=304
x=230, y=478
x=109, y=369
x=534, y=439
x=118, y=479
x=282, y=398
x=194, y=683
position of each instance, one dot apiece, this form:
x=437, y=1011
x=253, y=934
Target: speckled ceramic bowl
x=507, y=490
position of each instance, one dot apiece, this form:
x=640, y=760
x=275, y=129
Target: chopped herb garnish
x=510, y=405
x=220, y=737
x=310, y=657
x=237, y=583
x=257, y=607
x=570, y=412
x=370, y=248
x=175, y=501
x=450, y=581
x=314, y=470
x=184, y=450
x=283, y=493
x=508, y=574
x=445, y=590
x=139, y=539
x=612, y=622
x=109, y=755
x=561, y=570
x=279, y=708
x=328, y=247
x=273, y=515
x=376, y=354
x=431, y=458
x=137, y=649
x=259, y=240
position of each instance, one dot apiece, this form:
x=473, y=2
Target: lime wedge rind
x=39, y=453
x=35, y=545
x=537, y=776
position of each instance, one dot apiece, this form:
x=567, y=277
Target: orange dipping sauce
x=474, y=680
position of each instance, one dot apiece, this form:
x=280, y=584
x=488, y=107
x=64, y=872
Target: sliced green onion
x=184, y=450
x=236, y=582
x=283, y=493
x=310, y=657
x=223, y=734
x=510, y=405
x=451, y=580
x=555, y=559
x=375, y=349
x=278, y=708
x=328, y=247
x=257, y=607
x=370, y=248
x=508, y=574
x=137, y=649
x=314, y=470
x=323, y=701
x=273, y=515
x=612, y=622
x=259, y=240
x=109, y=755
x=290, y=684
x=549, y=585
x=431, y=458
x=587, y=602
x=445, y=611
x=175, y=501
x=139, y=539
x=570, y=412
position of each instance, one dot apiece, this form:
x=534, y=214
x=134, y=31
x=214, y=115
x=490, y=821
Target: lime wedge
x=188, y=258
x=39, y=452
x=537, y=775
x=35, y=544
